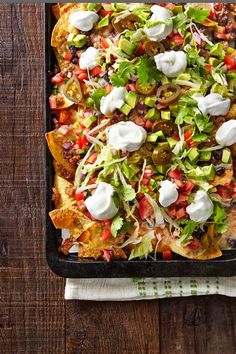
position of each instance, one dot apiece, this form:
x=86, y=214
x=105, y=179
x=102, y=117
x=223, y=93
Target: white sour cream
x=171, y=63
x=89, y=58
x=115, y=99
x=213, y=104
x=101, y=205
x=83, y=20
x=201, y=208
x=168, y=193
x=226, y=134
x=126, y=136
x=160, y=31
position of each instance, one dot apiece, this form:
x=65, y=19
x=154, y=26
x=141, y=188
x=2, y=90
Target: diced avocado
x=89, y=121
x=209, y=172
x=177, y=9
x=193, y=154
x=226, y=156
x=104, y=21
x=165, y=80
x=89, y=102
x=131, y=99
x=205, y=156
x=213, y=61
x=188, y=165
x=125, y=109
x=80, y=40
x=231, y=75
x=172, y=142
x=94, y=6
x=174, y=108
x=129, y=170
x=152, y=113
x=165, y=115
x=161, y=169
x=217, y=50
x=150, y=101
x=127, y=46
x=152, y=138
x=70, y=39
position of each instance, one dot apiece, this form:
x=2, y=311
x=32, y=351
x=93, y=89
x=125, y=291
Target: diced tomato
x=83, y=76
x=140, y=50
x=230, y=62
x=108, y=88
x=81, y=141
x=188, y=139
x=105, y=234
x=187, y=135
x=139, y=121
x=67, y=56
x=96, y=71
x=208, y=68
x=174, y=173
x=78, y=71
x=175, y=137
x=180, y=213
x=131, y=87
x=145, y=181
x=189, y=186
x=181, y=198
x=223, y=192
x=177, y=38
x=180, y=184
x=172, y=211
x=53, y=102
x=81, y=205
x=92, y=158
x=107, y=223
x=148, y=124
x=104, y=43
x=57, y=79
x=166, y=255
x=212, y=15
x=63, y=116
x=194, y=245
x=79, y=196
x=104, y=12
x=145, y=208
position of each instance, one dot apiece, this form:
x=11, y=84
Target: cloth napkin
x=124, y=289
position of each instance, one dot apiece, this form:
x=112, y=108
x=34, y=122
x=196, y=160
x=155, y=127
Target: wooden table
x=34, y=318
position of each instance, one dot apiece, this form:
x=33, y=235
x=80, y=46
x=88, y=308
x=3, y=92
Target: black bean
x=87, y=33
x=217, y=154
x=220, y=171
x=72, y=48
x=106, y=77
x=75, y=60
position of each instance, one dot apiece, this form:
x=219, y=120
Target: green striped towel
x=124, y=289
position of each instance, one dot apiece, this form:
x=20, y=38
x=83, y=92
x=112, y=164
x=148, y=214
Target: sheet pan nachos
x=143, y=102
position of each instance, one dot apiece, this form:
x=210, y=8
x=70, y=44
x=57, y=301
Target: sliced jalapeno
x=168, y=128
x=162, y=154
x=153, y=48
x=168, y=93
x=146, y=89
x=72, y=90
x=129, y=22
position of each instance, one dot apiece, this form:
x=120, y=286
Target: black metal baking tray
x=73, y=267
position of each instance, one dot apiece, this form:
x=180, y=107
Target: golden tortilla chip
x=232, y=112
x=91, y=245
x=55, y=146
x=56, y=11
x=71, y=219
x=62, y=187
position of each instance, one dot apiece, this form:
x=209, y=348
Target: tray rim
x=71, y=266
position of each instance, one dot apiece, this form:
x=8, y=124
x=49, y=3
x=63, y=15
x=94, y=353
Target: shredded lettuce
x=145, y=247
x=159, y=220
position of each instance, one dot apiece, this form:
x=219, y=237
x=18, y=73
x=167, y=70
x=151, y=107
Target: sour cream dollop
x=160, y=31
x=226, y=134
x=201, y=208
x=89, y=58
x=101, y=204
x=126, y=136
x=115, y=99
x=171, y=63
x=213, y=104
x=168, y=193
x=83, y=20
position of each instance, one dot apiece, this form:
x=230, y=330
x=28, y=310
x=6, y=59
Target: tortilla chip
x=91, y=245
x=55, y=146
x=223, y=179
x=71, y=219
x=232, y=112
x=56, y=11
x=62, y=186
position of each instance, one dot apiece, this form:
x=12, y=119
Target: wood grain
x=31, y=302
x=33, y=315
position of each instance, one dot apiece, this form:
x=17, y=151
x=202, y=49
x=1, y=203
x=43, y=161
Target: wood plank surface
x=33, y=315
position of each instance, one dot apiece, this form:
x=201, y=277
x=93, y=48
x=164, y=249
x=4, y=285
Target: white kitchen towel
x=124, y=289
